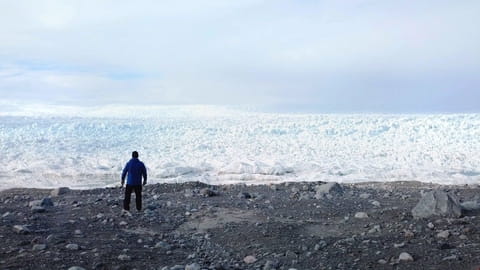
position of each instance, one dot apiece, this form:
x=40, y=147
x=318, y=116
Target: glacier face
x=198, y=144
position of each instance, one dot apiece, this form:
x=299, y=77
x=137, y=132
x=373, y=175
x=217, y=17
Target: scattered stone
x=177, y=267
x=59, y=191
x=77, y=268
x=38, y=209
x=123, y=223
x=365, y=195
x=244, y=195
x=163, y=245
x=72, y=247
x=270, y=265
x=328, y=188
x=39, y=247
x=124, y=257
x=361, y=215
x=193, y=266
x=408, y=234
x=321, y=245
x=249, y=259
x=450, y=258
x=376, y=203
x=206, y=192
x=443, y=234
x=401, y=245
x=404, y=256
x=21, y=229
x=45, y=202
x=431, y=226
x=382, y=261
x=437, y=203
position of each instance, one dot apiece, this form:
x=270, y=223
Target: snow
x=44, y=148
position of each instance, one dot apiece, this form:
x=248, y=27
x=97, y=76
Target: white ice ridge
x=218, y=147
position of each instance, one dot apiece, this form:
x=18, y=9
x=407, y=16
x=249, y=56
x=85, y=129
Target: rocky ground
x=195, y=226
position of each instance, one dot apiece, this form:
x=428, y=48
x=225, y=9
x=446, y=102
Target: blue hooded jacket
x=135, y=169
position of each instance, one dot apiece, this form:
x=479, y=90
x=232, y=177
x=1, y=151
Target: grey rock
x=193, y=266
x=163, y=245
x=270, y=265
x=361, y=215
x=39, y=247
x=244, y=195
x=21, y=229
x=404, y=256
x=365, y=195
x=76, y=268
x=450, y=258
x=38, y=209
x=124, y=257
x=331, y=188
x=45, y=202
x=206, y=192
x=437, y=203
x=443, y=234
x=60, y=191
x=72, y=247
x=321, y=245
x=177, y=267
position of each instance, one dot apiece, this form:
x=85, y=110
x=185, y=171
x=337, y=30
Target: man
x=135, y=170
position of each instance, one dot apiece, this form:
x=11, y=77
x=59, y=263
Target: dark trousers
x=128, y=194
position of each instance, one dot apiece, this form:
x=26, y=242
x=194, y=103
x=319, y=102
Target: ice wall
x=223, y=146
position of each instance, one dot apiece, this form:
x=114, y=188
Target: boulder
x=437, y=203
x=206, y=192
x=60, y=191
x=331, y=188
x=193, y=266
x=21, y=229
x=45, y=202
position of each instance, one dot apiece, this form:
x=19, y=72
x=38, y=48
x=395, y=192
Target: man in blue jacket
x=135, y=170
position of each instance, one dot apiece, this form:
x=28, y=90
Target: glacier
x=87, y=148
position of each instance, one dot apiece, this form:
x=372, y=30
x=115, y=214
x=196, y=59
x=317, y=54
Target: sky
x=298, y=55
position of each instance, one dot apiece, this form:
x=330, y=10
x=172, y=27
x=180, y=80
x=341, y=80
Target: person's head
x=134, y=154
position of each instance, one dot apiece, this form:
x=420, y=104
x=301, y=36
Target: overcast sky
x=298, y=55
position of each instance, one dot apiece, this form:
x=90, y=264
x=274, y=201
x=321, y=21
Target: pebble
x=39, y=247
x=430, y=226
x=443, y=234
x=123, y=223
x=399, y=245
x=38, y=209
x=376, y=203
x=449, y=258
x=382, y=261
x=21, y=229
x=365, y=195
x=249, y=259
x=270, y=265
x=163, y=245
x=59, y=191
x=76, y=268
x=124, y=257
x=404, y=256
x=206, y=192
x=72, y=247
x=193, y=266
x=361, y=215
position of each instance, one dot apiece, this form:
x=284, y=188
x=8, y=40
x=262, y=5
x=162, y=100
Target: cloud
x=344, y=55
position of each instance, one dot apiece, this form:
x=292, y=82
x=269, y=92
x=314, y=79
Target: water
x=86, y=148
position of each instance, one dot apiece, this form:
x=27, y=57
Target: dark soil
x=196, y=226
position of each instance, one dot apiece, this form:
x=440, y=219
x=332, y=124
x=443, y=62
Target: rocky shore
x=283, y=226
